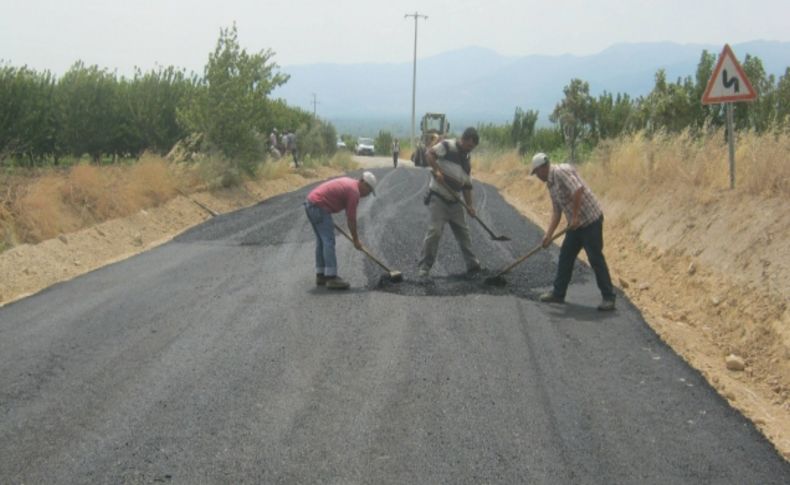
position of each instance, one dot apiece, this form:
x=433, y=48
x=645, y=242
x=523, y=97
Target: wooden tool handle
x=533, y=251
x=340, y=229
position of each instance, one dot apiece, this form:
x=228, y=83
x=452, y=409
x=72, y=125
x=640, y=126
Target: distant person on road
x=571, y=195
x=284, y=143
x=330, y=197
x=395, y=152
x=275, y=152
x=291, y=147
x=451, y=164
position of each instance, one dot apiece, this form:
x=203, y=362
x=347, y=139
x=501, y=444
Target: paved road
x=214, y=359
x=380, y=162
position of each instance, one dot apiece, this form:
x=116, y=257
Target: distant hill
x=476, y=85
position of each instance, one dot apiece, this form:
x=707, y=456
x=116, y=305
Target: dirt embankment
x=29, y=268
x=710, y=271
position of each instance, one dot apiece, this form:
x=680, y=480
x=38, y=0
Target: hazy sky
x=52, y=34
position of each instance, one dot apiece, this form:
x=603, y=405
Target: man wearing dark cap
x=451, y=164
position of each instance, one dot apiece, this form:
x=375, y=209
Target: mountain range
x=474, y=84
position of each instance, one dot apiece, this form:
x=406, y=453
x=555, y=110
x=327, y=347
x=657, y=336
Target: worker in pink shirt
x=331, y=197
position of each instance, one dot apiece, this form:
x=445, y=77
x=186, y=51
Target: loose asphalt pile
x=403, y=213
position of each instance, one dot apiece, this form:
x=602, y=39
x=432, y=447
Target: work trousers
x=589, y=237
x=324, y=229
x=443, y=212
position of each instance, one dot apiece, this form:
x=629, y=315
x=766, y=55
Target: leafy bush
x=383, y=143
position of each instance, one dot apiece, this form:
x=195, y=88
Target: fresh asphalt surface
x=215, y=359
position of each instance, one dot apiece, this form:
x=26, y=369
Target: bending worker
x=332, y=196
x=571, y=195
x=451, y=164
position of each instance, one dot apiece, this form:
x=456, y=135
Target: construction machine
x=431, y=124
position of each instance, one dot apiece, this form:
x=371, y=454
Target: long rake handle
x=341, y=231
x=523, y=258
x=465, y=206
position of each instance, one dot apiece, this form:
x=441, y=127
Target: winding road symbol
x=733, y=81
x=728, y=83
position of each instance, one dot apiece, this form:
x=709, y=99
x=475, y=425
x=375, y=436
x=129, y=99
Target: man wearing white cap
x=571, y=195
x=333, y=196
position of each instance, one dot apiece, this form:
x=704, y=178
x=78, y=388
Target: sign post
x=729, y=84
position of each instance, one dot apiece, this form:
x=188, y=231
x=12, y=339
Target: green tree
x=27, y=120
x=495, y=136
x=383, y=143
x=522, y=129
x=709, y=114
x=230, y=104
x=783, y=98
x=283, y=117
x=575, y=114
x=151, y=101
x=87, y=111
x=613, y=116
x=760, y=113
x=669, y=107
x=547, y=140
x=316, y=138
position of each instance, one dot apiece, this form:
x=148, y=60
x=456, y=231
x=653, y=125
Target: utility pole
x=315, y=102
x=416, y=16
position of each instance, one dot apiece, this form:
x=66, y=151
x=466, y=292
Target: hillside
x=478, y=85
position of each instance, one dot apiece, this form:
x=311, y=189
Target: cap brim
x=534, y=169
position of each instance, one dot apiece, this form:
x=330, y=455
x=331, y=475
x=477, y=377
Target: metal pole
x=731, y=140
x=414, y=81
x=416, y=16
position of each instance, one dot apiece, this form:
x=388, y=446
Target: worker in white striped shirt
x=571, y=195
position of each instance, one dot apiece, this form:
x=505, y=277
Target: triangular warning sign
x=728, y=82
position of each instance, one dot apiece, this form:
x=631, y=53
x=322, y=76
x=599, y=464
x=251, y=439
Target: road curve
x=214, y=359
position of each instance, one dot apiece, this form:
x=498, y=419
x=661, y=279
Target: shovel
x=489, y=231
x=499, y=280
x=395, y=276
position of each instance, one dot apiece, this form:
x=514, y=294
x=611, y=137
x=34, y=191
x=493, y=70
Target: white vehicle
x=341, y=144
x=365, y=146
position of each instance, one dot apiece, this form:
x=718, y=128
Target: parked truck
x=430, y=124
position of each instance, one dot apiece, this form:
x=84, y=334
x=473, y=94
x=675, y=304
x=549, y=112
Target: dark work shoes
x=550, y=297
x=336, y=283
x=606, y=305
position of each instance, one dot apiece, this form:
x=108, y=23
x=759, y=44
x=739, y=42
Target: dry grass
x=630, y=165
x=45, y=205
x=498, y=161
x=276, y=169
x=42, y=204
x=342, y=160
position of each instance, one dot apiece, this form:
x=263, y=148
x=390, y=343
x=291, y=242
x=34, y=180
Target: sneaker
x=336, y=283
x=320, y=279
x=550, y=297
x=606, y=305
